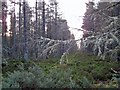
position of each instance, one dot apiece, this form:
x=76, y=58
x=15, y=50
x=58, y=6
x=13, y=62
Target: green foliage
x=85, y=82
x=116, y=78
x=35, y=77
x=83, y=70
x=23, y=78
x=92, y=67
x=10, y=65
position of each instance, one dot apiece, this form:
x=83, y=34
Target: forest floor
x=82, y=66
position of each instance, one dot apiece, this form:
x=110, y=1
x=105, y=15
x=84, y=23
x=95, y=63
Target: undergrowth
x=82, y=70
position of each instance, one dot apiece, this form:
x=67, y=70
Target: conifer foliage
x=102, y=24
x=31, y=25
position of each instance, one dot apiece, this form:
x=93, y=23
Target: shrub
x=35, y=77
x=24, y=78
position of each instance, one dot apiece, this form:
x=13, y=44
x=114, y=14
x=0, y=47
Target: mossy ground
x=97, y=71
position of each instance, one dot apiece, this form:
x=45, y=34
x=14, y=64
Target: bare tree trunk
x=4, y=26
x=55, y=18
x=20, y=32
x=43, y=19
x=14, y=34
x=36, y=33
x=25, y=34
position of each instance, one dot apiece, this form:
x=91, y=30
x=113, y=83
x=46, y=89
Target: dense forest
x=39, y=51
